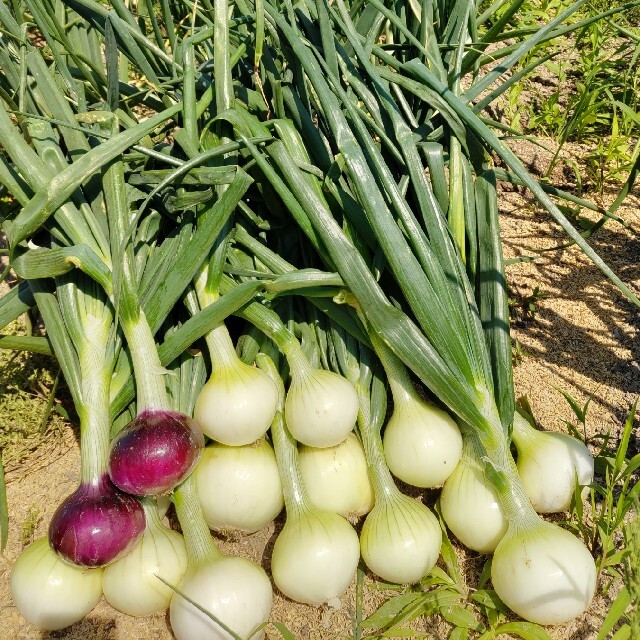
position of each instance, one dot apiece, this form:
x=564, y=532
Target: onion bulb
x=132, y=584
x=336, y=478
x=49, y=592
x=239, y=488
x=321, y=406
x=235, y=590
x=470, y=505
x=315, y=556
x=543, y=573
x=236, y=405
x=96, y=524
x=155, y=452
x=422, y=444
x=548, y=464
x=400, y=539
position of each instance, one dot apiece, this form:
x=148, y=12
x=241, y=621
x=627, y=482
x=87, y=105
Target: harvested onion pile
x=247, y=228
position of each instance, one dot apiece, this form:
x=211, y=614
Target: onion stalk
x=97, y=523
x=401, y=537
x=160, y=447
x=550, y=465
x=235, y=591
x=316, y=554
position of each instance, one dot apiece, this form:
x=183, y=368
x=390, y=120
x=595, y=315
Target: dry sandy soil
x=583, y=340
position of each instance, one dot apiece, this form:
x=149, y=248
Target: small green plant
x=613, y=499
x=29, y=526
x=518, y=353
x=523, y=307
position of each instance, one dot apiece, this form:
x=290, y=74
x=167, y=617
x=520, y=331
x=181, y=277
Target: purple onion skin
x=96, y=524
x=155, y=452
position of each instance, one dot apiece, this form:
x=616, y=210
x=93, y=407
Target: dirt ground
x=582, y=339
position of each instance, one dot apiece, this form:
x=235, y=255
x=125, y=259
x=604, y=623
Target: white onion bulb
x=237, y=404
x=400, y=539
x=471, y=508
x=422, y=444
x=50, y=593
x=543, y=573
x=320, y=408
x=239, y=488
x=336, y=478
x=235, y=590
x=131, y=584
x=548, y=463
x=315, y=556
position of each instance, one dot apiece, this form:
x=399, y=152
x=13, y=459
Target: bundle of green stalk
x=311, y=209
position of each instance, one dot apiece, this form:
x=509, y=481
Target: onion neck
x=152, y=517
x=201, y=550
x=221, y=350
x=502, y=472
x=298, y=363
x=149, y=373
x=296, y=498
x=384, y=488
x=94, y=411
x=524, y=435
x=402, y=388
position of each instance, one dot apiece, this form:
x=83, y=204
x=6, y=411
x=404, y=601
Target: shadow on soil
x=95, y=629
x=564, y=343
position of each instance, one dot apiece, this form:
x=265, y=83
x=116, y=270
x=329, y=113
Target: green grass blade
x=4, y=509
x=489, y=78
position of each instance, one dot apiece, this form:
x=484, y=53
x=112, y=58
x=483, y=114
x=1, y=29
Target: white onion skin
x=400, y=540
x=471, y=508
x=50, y=593
x=131, y=584
x=547, y=463
x=235, y=590
x=544, y=574
x=422, y=444
x=237, y=404
x=336, y=478
x=239, y=488
x=315, y=557
x=321, y=408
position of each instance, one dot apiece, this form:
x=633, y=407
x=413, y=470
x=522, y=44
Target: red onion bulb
x=155, y=452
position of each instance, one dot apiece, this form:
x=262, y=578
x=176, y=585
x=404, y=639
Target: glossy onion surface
x=96, y=524
x=155, y=452
x=49, y=592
